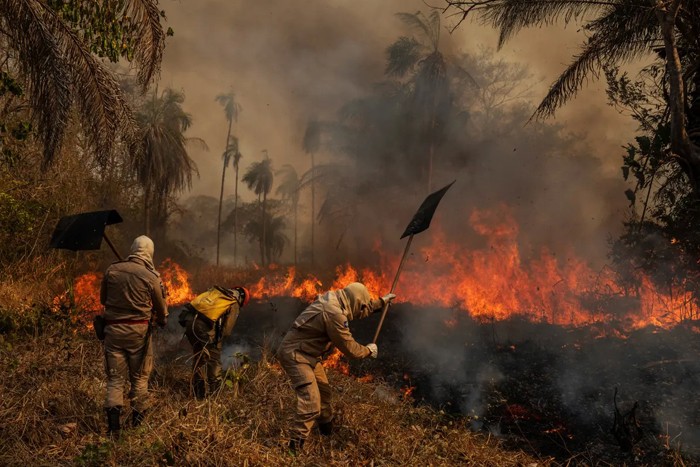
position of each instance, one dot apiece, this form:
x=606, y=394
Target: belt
x=126, y=321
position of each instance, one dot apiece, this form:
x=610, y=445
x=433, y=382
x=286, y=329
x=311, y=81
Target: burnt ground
x=548, y=390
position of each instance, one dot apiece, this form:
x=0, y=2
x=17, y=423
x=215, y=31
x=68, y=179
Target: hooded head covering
x=357, y=301
x=143, y=249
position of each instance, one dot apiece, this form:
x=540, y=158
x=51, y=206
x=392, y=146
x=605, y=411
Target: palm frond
x=259, y=177
x=402, y=55
x=48, y=75
x=150, y=39
x=312, y=136
x=418, y=22
x=510, y=16
x=289, y=185
x=621, y=35
x=231, y=108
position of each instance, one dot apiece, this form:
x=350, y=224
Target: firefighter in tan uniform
x=320, y=326
x=208, y=320
x=132, y=294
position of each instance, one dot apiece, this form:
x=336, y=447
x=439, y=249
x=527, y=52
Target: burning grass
x=51, y=413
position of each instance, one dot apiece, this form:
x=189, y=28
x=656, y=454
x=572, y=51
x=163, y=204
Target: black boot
x=214, y=386
x=296, y=445
x=200, y=389
x=137, y=418
x=326, y=428
x=113, y=414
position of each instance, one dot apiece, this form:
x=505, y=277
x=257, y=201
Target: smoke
x=559, y=178
x=287, y=66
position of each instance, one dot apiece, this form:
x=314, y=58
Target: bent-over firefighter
x=318, y=328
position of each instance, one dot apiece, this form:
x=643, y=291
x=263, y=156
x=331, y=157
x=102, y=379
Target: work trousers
x=313, y=392
x=206, y=364
x=128, y=353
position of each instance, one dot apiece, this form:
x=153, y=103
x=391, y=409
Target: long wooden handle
x=111, y=245
x=393, y=287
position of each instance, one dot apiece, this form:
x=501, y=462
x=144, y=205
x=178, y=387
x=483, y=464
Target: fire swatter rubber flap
x=83, y=231
x=422, y=217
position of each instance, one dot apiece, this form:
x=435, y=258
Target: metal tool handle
x=393, y=287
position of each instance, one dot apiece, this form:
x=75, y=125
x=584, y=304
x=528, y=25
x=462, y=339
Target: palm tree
x=289, y=189
x=259, y=178
x=231, y=109
x=52, y=49
x=618, y=31
x=160, y=159
x=273, y=231
x=311, y=144
x=236, y=157
x=420, y=57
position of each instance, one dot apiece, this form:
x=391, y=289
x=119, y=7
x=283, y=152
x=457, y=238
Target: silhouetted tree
x=289, y=188
x=259, y=178
x=311, y=144
x=270, y=234
x=419, y=56
x=160, y=160
x=231, y=110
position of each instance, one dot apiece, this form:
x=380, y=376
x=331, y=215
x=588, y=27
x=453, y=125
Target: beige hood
x=143, y=249
x=356, y=301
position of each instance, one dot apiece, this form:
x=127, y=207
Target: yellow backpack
x=214, y=302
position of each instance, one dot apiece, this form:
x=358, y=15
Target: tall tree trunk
x=264, y=224
x=235, y=220
x=313, y=206
x=147, y=210
x=221, y=195
x=667, y=12
x=296, y=205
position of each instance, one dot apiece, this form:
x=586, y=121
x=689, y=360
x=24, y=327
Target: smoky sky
x=289, y=61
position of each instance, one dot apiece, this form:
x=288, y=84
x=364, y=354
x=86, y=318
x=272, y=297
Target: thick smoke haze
x=292, y=61
x=289, y=62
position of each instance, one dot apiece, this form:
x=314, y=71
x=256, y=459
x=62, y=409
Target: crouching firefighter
x=133, y=296
x=208, y=320
x=320, y=326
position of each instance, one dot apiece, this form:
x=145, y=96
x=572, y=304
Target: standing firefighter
x=133, y=296
x=208, y=320
x=320, y=326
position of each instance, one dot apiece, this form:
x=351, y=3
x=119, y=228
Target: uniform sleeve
x=160, y=308
x=339, y=333
x=103, y=288
x=230, y=320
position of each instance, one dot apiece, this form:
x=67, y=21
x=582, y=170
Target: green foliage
x=94, y=455
x=105, y=26
x=20, y=221
x=662, y=237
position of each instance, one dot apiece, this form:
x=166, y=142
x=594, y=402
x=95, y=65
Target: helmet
x=244, y=295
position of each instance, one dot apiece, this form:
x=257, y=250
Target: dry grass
x=51, y=413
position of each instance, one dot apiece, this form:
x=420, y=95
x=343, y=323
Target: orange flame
x=283, y=283
x=493, y=282
x=407, y=391
x=334, y=361
x=176, y=282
